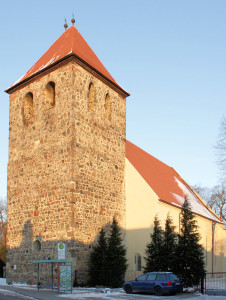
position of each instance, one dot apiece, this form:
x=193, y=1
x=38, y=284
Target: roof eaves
x=199, y=198
x=59, y=61
x=179, y=207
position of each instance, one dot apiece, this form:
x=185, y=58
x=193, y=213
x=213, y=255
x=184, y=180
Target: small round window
x=37, y=245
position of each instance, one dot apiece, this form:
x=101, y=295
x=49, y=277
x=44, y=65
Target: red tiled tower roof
x=167, y=184
x=70, y=43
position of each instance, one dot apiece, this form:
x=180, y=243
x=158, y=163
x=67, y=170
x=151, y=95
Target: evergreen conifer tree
x=189, y=253
x=97, y=261
x=169, y=245
x=116, y=257
x=154, y=250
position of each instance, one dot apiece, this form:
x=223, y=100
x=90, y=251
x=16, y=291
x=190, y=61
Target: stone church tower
x=67, y=135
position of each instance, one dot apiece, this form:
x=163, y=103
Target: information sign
x=61, y=249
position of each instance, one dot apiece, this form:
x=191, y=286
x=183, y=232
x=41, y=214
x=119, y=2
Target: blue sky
x=169, y=54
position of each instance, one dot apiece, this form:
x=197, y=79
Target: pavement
x=84, y=293
x=92, y=293
x=31, y=292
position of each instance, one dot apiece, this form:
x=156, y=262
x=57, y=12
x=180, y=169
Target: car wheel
x=128, y=289
x=158, y=291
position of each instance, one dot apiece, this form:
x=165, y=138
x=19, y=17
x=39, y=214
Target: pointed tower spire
x=70, y=45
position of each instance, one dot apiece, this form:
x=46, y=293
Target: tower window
x=91, y=97
x=50, y=95
x=108, y=107
x=28, y=107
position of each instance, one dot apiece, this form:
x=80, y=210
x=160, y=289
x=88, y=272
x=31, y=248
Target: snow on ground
x=207, y=297
x=117, y=296
x=19, y=285
x=3, y=281
x=98, y=295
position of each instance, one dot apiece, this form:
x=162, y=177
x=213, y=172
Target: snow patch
x=195, y=204
x=54, y=58
x=179, y=199
x=3, y=281
x=97, y=294
x=17, y=80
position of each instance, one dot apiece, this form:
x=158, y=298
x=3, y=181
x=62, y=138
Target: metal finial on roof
x=73, y=20
x=65, y=25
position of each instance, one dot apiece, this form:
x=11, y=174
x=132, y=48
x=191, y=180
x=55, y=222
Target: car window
x=173, y=277
x=151, y=277
x=161, y=277
x=142, y=277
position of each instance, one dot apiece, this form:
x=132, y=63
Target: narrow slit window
x=91, y=97
x=108, y=107
x=50, y=95
x=28, y=107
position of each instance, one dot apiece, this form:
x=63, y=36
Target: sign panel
x=61, y=249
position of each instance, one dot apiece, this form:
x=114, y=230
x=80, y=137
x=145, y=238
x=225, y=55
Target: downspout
x=135, y=261
x=213, y=232
x=179, y=221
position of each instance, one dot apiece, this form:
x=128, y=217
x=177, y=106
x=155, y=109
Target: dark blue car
x=154, y=282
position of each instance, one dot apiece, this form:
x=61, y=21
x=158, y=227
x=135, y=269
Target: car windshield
x=173, y=277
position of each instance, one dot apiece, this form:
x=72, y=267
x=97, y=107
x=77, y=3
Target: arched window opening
x=91, y=97
x=50, y=95
x=28, y=106
x=37, y=245
x=108, y=107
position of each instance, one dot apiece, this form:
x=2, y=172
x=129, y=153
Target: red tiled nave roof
x=165, y=181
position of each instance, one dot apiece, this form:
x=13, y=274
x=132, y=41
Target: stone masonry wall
x=65, y=171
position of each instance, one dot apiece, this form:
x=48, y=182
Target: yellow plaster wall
x=139, y=216
x=219, y=249
x=142, y=205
